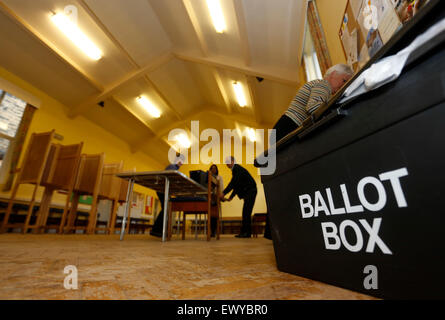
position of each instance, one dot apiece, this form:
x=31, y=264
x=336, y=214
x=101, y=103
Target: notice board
x=366, y=26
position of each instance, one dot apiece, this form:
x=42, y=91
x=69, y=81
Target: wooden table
x=170, y=182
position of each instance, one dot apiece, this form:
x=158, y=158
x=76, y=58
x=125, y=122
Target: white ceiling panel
x=135, y=26
x=117, y=120
x=273, y=31
x=176, y=82
x=206, y=83
x=128, y=95
x=27, y=58
x=173, y=18
x=219, y=44
x=113, y=66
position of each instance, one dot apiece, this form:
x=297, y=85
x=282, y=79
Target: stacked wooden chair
x=59, y=175
x=31, y=172
x=110, y=189
x=88, y=183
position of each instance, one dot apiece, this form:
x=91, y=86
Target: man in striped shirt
x=310, y=97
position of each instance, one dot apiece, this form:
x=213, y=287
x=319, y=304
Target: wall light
x=149, y=107
x=217, y=15
x=76, y=36
x=238, y=87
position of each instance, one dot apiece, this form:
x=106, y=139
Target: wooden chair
x=59, y=175
x=198, y=206
x=110, y=189
x=31, y=172
x=88, y=182
x=258, y=223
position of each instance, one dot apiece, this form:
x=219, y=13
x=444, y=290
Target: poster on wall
x=149, y=205
x=407, y=9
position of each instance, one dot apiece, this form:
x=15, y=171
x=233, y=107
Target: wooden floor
x=142, y=267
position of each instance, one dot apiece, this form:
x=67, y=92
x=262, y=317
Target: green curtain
x=18, y=145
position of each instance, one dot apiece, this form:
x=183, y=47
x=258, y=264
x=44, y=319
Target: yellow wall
x=331, y=15
x=52, y=115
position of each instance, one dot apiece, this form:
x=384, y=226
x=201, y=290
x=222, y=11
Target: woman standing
x=214, y=218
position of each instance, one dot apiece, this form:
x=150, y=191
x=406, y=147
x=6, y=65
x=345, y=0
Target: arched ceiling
x=166, y=50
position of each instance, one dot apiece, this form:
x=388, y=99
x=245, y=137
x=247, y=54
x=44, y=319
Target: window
x=312, y=67
x=316, y=56
x=12, y=112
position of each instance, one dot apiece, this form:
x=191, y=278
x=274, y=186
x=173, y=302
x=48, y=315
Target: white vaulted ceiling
x=165, y=50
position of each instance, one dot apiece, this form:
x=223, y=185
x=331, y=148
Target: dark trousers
x=249, y=202
x=159, y=222
x=284, y=126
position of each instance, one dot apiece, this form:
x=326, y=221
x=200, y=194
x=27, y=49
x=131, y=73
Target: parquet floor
x=142, y=267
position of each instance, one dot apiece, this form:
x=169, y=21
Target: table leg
x=128, y=207
x=166, y=195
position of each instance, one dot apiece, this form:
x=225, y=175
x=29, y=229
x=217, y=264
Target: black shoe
x=243, y=235
x=156, y=234
x=213, y=235
x=268, y=236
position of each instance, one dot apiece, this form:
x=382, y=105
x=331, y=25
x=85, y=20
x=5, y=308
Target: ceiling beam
x=134, y=114
x=46, y=43
x=124, y=52
x=196, y=27
x=185, y=124
x=222, y=90
x=273, y=74
x=253, y=98
x=242, y=31
x=151, y=84
x=108, y=92
x=107, y=32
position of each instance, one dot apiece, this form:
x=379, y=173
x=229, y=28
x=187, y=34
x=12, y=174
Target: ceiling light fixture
x=239, y=92
x=251, y=134
x=217, y=15
x=149, y=107
x=183, y=140
x=76, y=36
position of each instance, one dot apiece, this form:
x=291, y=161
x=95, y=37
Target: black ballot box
x=360, y=204
x=199, y=176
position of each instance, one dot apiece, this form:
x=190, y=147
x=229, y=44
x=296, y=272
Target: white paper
x=363, y=56
x=352, y=53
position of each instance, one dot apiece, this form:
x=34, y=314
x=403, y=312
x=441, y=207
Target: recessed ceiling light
x=149, y=107
x=183, y=140
x=251, y=134
x=217, y=15
x=76, y=36
x=239, y=92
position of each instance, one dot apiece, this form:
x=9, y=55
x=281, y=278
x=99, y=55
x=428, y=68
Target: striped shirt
x=308, y=99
